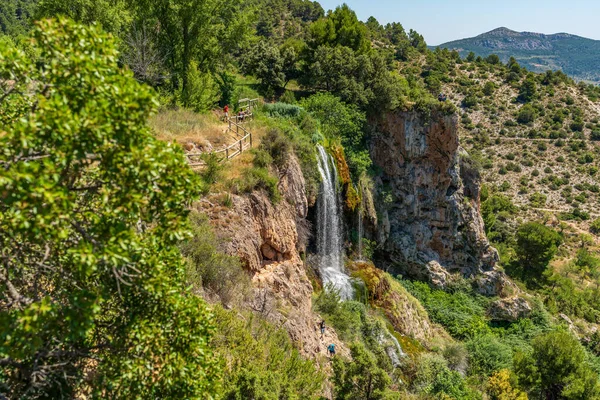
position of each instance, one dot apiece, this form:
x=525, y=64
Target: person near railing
x=226, y=112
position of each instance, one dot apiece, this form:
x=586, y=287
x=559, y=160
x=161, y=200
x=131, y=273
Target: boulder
x=509, y=309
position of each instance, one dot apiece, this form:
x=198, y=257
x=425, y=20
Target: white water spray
x=329, y=229
x=360, y=225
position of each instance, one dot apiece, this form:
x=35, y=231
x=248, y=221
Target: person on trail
x=331, y=350
x=241, y=115
x=322, y=326
x=226, y=111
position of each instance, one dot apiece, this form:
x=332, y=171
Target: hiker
x=322, y=326
x=241, y=115
x=331, y=349
x=226, y=111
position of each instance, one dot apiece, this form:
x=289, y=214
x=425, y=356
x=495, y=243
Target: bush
x=469, y=101
x=537, y=200
x=213, y=169
x=526, y=114
x=260, y=178
x=487, y=354
x=434, y=378
x=462, y=314
x=361, y=377
x=278, y=146
x=282, y=110
x=501, y=387
x=595, y=226
x=265, y=363
x=209, y=269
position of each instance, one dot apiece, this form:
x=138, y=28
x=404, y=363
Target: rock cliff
x=428, y=205
x=269, y=238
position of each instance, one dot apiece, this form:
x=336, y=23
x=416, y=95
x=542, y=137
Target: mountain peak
x=502, y=31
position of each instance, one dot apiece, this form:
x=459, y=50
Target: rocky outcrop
x=429, y=222
x=509, y=309
x=265, y=236
x=402, y=310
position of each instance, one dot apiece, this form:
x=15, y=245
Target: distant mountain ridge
x=577, y=56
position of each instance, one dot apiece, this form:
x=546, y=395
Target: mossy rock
x=402, y=310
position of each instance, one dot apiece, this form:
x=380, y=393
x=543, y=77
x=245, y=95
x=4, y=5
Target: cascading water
x=329, y=229
x=360, y=224
x=393, y=349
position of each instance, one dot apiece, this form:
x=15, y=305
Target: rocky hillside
x=534, y=137
x=574, y=55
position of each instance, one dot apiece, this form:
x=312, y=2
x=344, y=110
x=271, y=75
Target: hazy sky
x=440, y=21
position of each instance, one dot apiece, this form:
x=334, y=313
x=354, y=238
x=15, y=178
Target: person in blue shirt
x=331, y=349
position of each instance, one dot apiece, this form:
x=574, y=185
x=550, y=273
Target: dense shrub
x=526, y=114
x=260, y=361
x=282, y=110
x=557, y=368
x=260, y=178
x=463, y=315
x=434, y=378
x=209, y=269
x=487, y=354
x=595, y=226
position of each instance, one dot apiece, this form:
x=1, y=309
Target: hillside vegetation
x=574, y=55
x=115, y=278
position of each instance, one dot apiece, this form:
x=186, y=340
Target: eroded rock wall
x=268, y=240
x=428, y=194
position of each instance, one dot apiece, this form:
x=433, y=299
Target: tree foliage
x=536, y=245
x=557, y=368
x=198, y=31
x=92, y=209
x=360, y=378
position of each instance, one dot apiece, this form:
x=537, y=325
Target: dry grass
x=205, y=131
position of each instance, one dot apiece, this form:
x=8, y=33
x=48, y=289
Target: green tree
x=15, y=16
x=92, y=210
x=433, y=377
x=535, y=247
x=113, y=15
x=340, y=28
x=557, y=368
x=200, y=31
x=361, y=378
x=489, y=88
x=492, y=59
x=526, y=114
x=528, y=90
x=265, y=62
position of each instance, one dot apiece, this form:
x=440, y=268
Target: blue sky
x=441, y=21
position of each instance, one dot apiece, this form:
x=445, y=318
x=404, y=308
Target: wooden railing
x=231, y=151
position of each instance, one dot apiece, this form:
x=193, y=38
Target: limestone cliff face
x=428, y=205
x=269, y=238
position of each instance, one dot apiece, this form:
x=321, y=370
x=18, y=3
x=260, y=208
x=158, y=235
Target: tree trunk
x=186, y=57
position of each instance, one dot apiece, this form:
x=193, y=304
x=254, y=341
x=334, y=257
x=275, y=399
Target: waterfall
x=392, y=347
x=360, y=224
x=329, y=229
